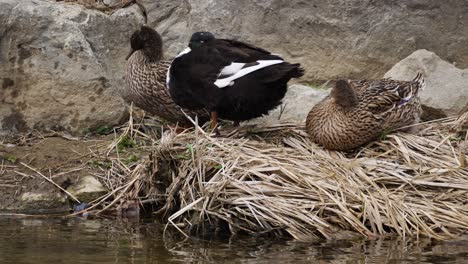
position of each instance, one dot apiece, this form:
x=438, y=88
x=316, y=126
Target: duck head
x=344, y=95
x=198, y=38
x=149, y=41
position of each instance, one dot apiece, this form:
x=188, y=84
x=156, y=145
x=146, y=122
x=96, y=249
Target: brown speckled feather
x=146, y=88
x=382, y=105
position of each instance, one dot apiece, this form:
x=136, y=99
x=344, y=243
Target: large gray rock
x=297, y=103
x=446, y=85
x=61, y=65
x=331, y=38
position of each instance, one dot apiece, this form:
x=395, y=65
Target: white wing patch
x=240, y=72
x=185, y=51
x=231, y=69
x=168, y=76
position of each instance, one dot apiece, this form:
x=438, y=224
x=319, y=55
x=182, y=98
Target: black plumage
x=199, y=78
x=145, y=77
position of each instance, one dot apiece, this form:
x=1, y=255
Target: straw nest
x=271, y=179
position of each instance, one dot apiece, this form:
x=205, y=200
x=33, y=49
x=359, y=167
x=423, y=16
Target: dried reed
x=272, y=179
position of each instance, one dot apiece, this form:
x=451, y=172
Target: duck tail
x=344, y=94
x=411, y=90
x=296, y=70
x=420, y=83
x=283, y=72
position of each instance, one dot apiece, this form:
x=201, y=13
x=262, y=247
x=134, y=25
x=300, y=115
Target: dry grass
x=272, y=179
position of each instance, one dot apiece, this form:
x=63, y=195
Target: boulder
x=111, y=2
x=297, y=103
x=61, y=65
x=87, y=189
x=43, y=202
x=330, y=38
x=446, y=85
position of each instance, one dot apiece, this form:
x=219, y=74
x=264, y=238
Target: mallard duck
x=230, y=79
x=357, y=112
x=145, y=76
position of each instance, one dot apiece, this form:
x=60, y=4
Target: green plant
x=106, y=164
x=125, y=143
x=85, y=131
x=383, y=135
x=455, y=138
x=187, y=154
x=10, y=158
x=130, y=159
x=103, y=130
x=189, y=148
x=183, y=157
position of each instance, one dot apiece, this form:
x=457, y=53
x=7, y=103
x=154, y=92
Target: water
x=30, y=240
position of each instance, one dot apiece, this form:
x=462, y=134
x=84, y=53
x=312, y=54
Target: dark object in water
x=80, y=207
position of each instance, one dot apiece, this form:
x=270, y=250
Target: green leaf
x=10, y=158
x=131, y=159
x=103, y=130
x=125, y=143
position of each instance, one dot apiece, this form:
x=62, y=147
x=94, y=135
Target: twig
x=51, y=181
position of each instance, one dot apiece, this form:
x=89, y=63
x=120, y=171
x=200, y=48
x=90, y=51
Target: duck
x=230, y=79
x=359, y=111
x=145, y=77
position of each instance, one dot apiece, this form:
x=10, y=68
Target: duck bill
x=129, y=54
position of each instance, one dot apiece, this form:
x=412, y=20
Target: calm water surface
x=30, y=240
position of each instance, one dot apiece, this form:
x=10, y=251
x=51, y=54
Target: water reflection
x=103, y=241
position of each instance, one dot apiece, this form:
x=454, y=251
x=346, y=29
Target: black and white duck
x=145, y=75
x=232, y=80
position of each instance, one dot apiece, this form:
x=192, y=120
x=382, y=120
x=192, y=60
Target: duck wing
x=238, y=51
x=242, y=59
x=217, y=64
x=192, y=76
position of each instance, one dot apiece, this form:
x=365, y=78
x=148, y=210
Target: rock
x=297, y=103
x=111, y=2
x=44, y=202
x=446, y=85
x=331, y=38
x=61, y=65
x=87, y=189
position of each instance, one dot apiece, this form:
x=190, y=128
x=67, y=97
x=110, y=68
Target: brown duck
x=145, y=77
x=357, y=112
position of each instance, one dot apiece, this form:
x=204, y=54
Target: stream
x=68, y=240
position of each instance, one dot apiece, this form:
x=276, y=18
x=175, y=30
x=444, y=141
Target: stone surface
x=87, y=189
x=330, y=38
x=111, y=2
x=297, y=103
x=446, y=85
x=45, y=202
x=61, y=65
